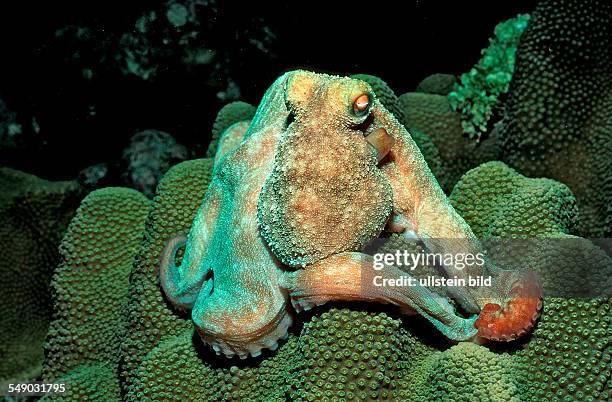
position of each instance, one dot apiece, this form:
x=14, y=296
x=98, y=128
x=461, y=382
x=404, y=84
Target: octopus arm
x=350, y=276
x=182, y=283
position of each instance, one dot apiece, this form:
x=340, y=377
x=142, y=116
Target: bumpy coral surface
x=34, y=214
x=457, y=375
x=432, y=115
x=438, y=84
x=501, y=203
x=355, y=355
x=568, y=356
x=149, y=319
x=498, y=201
x=569, y=343
x=558, y=119
x=90, y=289
x=482, y=87
x=88, y=383
x=229, y=114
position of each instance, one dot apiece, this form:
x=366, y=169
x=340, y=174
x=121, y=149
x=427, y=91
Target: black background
x=401, y=42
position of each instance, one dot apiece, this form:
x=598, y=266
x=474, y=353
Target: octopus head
x=326, y=193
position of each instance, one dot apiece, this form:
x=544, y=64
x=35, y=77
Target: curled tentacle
x=514, y=315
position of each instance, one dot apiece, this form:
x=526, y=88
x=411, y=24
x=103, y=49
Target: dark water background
x=82, y=121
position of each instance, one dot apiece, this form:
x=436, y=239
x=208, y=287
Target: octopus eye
x=361, y=104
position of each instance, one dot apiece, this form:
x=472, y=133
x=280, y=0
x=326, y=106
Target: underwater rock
x=93, y=177
x=10, y=129
x=438, y=84
x=34, y=214
x=149, y=155
x=558, y=116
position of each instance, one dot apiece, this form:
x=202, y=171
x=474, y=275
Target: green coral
x=438, y=84
x=88, y=383
x=570, y=342
x=432, y=115
x=479, y=92
x=469, y=372
x=149, y=320
x=229, y=114
x=498, y=201
x=355, y=355
x=34, y=214
x=203, y=379
x=568, y=355
x=558, y=117
x=90, y=291
x=349, y=353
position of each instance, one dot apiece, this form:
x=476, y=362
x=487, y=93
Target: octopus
x=322, y=169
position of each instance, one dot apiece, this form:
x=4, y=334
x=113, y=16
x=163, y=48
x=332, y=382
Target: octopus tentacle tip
x=509, y=320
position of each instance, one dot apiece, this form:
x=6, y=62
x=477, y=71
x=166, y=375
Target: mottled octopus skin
x=292, y=203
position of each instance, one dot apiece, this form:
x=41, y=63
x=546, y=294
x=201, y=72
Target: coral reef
x=457, y=375
x=149, y=319
x=90, y=289
x=34, y=214
x=568, y=355
x=498, y=201
x=433, y=115
x=88, y=383
x=437, y=84
x=569, y=342
x=557, y=121
x=148, y=156
x=481, y=89
x=348, y=353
